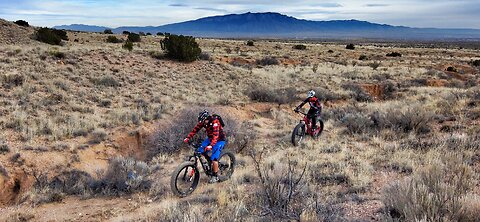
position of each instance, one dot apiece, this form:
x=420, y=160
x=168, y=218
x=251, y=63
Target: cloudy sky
x=114, y=13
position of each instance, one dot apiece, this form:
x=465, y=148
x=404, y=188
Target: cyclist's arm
x=195, y=130
x=301, y=104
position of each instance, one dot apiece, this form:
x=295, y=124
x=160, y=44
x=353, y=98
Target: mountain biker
x=214, y=142
x=315, y=108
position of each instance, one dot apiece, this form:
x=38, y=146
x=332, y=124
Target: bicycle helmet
x=310, y=93
x=203, y=115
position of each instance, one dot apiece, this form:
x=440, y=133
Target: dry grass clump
x=123, y=176
x=267, y=61
x=282, y=193
x=261, y=93
x=438, y=192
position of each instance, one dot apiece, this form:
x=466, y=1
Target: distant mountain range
x=275, y=25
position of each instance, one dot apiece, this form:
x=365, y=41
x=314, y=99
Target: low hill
x=11, y=33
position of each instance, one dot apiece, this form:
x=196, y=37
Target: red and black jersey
x=314, y=103
x=214, y=130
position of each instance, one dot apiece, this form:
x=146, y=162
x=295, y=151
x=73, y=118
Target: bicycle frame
x=308, y=123
x=205, y=162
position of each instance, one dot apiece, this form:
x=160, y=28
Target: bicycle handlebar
x=300, y=112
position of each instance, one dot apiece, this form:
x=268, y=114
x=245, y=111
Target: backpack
x=216, y=116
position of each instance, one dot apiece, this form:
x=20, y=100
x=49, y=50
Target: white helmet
x=310, y=93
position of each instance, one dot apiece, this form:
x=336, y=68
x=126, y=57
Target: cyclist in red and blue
x=214, y=142
x=315, y=108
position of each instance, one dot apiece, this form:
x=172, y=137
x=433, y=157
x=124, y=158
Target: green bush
x=300, y=47
x=160, y=33
x=113, y=39
x=394, y=54
x=134, y=37
x=22, y=23
x=60, y=33
x=128, y=45
x=107, y=31
x=182, y=48
x=148, y=33
x=250, y=43
x=451, y=69
x=267, y=61
x=350, y=46
x=126, y=32
x=363, y=57
x=47, y=35
x=476, y=63
x=142, y=33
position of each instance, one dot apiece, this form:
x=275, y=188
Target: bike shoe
x=214, y=179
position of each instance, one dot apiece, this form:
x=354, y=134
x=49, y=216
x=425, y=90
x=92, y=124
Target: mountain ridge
x=276, y=25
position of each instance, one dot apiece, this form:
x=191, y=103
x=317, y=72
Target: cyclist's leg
x=204, y=144
x=312, y=115
x=216, y=150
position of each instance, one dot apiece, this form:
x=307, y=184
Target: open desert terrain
x=401, y=140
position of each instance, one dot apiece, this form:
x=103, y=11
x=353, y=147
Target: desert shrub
x=22, y=23
x=283, y=191
x=12, y=80
x=356, y=123
x=267, y=61
x=160, y=33
x=394, y=54
x=357, y=92
x=250, y=43
x=451, y=69
x=181, y=48
x=133, y=37
x=4, y=148
x=108, y=81
x=374, y=65
x=476, y=63
x=124, y=176
x=3, y=171
x=300, y=47
x=113, y=39
x=243, y=138
x=205, y=56
x=60, y=33
x=107, y=31
x=330, y=51
x=437, y=192
x=47, y=35
x=126, y=32
x=363, y=57
x=156, y=55
x=350, y=46
x=142, y=33
x=57, y=54
x=128, y=45
x=265, y=94
x=98, y=136
x=327, y=95
x=406, y=119
x=148, y=33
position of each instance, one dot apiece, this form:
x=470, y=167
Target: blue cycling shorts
x=216, y=150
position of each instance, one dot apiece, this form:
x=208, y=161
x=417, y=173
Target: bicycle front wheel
x=184, y=179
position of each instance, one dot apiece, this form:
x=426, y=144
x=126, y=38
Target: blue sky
x=114, y=13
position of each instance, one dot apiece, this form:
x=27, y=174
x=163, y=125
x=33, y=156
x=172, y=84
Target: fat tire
x=295, y=131
x=229, y=153
x=173, y=179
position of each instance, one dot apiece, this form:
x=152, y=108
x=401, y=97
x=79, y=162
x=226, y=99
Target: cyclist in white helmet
x=315, y=108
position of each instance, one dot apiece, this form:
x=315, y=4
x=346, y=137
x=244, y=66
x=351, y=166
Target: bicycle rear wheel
x=226, y=165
